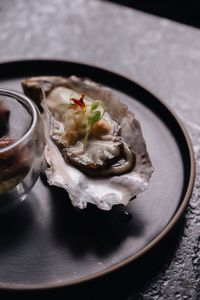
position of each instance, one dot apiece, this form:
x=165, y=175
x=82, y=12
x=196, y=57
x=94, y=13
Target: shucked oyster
x=94, y=146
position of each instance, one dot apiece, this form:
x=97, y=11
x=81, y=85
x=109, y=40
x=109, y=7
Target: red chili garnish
x=79, y=102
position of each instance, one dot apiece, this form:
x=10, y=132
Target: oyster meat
x=94, y=149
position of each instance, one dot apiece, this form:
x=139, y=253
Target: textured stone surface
x=162, y=55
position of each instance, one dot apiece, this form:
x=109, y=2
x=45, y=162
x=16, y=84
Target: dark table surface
x=164, y=56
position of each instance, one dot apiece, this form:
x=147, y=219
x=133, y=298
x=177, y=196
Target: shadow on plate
x=91, y=229
x=15, y=225
x=130, y=282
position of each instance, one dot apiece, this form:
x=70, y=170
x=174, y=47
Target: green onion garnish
x=95, y=114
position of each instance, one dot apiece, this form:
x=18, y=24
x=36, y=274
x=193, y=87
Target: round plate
x=47, y=243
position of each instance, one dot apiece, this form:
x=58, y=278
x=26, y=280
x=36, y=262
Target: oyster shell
x=119, y=176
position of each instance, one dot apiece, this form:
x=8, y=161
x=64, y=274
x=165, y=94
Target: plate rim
x=180, y=210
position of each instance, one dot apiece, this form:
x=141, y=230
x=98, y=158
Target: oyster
x=95, y=149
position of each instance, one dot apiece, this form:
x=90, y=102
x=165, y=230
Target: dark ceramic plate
x=46, y=243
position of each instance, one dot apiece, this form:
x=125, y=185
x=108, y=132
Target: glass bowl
x=21, y=147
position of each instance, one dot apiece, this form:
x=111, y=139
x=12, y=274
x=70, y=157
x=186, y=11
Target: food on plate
x=14, y=165
x=94, y=145
x=13, y=162
x=4, y=118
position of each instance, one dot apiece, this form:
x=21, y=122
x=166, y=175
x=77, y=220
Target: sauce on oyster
x=87, y=136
